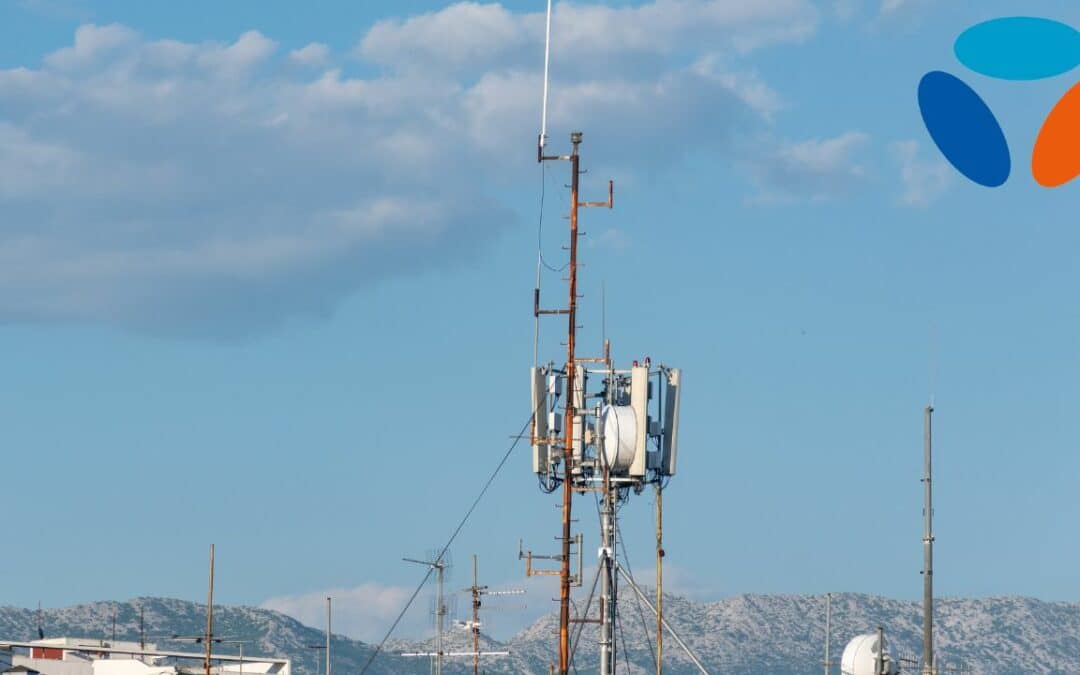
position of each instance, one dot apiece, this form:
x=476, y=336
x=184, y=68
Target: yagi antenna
x=542, y=141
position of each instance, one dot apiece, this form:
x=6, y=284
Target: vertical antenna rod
x=210, y=611
x=328, y=633
x=928, y=545
x=542, y=141
x=569, y=415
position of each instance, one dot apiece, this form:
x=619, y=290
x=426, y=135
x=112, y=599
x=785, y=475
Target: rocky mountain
x=759, y=634
x=271, y=633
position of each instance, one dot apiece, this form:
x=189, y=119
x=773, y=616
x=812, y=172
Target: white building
x=80, y=656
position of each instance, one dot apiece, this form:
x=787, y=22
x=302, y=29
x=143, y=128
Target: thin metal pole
x=241, y=657
x=660, y=579
x=880, y=651
x=475, y=619
x=328, y=633
x=828, y=631
x=210, y=611
x=665, y=623
x=569, y=416
x=439, y=621
x=928, y=544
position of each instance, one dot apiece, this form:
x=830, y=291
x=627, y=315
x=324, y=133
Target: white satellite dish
x=861, y=657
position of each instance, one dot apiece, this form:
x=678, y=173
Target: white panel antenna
x=671, y=422
x=579, y=421
x=639, y=401
x=540, y=419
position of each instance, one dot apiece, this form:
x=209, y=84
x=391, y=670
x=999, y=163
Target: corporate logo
x=965, y=129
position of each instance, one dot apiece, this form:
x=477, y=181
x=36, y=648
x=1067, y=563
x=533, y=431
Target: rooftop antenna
x=542, y=140
x=40, y=622
x=928, y=664
x=328, y=601
x=478, y=592
x=439, y=565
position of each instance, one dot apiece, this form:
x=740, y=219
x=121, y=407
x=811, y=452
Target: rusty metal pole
x=210, y=611
x=570, y=415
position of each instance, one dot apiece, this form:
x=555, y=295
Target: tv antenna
x=478, y=592
x=440, y=564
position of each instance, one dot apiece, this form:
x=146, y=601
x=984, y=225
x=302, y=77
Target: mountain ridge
x=742, y=634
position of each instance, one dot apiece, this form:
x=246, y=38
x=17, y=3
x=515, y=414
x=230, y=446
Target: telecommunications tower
x=616, y=434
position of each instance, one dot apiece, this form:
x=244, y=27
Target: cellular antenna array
x=617, y=433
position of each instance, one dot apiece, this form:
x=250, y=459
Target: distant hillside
x=272, y=633
x=758, y=634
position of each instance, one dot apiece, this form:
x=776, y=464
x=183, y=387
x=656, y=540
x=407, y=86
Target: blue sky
x=267, y=279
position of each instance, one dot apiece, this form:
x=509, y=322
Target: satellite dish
x=861, y=656
x=620, y=436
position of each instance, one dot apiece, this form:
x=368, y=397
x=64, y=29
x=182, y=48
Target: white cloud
x=313, y=54
x=814, y=169
x=195, y=188
x=363, y=612
x=923, y=181
x=473, y=35
x=91, y=42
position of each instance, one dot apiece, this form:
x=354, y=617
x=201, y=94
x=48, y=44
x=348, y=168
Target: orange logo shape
x=1056, y=157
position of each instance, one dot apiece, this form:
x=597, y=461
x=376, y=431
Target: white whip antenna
x=542, y=141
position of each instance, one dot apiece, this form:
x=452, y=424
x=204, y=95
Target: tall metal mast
x=328, y=634
x=570, y=414
x=928, y=545
x=439, y=565
x=607, y=579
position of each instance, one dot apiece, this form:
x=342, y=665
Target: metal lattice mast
x=608, y=599
x=928, y=545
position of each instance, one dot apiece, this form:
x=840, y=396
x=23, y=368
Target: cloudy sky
x=266, y=277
